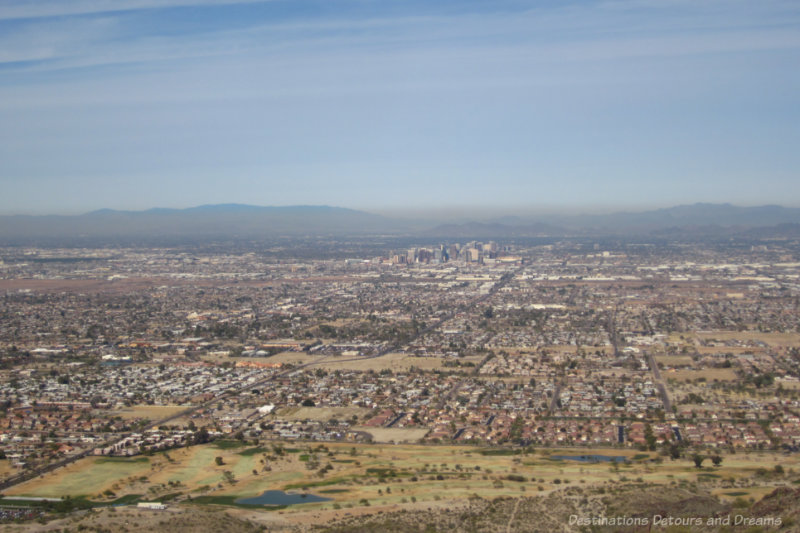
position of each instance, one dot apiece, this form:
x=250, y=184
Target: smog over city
x=399, y=266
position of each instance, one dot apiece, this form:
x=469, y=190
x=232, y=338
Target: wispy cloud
x=56, y=40
x=25, y=9
x=590, y=33
x=577, y=92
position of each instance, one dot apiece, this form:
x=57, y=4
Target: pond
x=278, y=497
x=590, y=458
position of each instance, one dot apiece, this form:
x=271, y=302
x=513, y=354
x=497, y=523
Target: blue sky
x=387, y=104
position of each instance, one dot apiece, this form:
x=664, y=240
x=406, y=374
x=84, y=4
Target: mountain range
x=239, y=222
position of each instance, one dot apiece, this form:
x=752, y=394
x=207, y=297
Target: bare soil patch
x=398, y=435
x=322, y=414
x=151, y=412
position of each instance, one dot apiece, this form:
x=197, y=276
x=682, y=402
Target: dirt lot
x=399, y=435
x=710, y=374
x=322, y=414
x=394, y=361
x=788, y=384
x=674, y=360
x=772, y=339
x=151, y=412
x=6, y=468
x=397, y=362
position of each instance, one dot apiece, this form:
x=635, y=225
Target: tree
x=308, y=402
x=674, y=451
x=202, y=436
x=219, y=460
x=716, y=459
x=698, y=460
x=649, y=437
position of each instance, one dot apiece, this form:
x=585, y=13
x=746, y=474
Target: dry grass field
x=676, y=361
x=290, y=358
x=398, y=435
x=382, y=474
x=772, y=339
x=367, y=479
x=321, y=414
x=6, y=468
x=151, y=412
x=789, y=384
x=734, y=350
x=397, y=362
x=710, y=374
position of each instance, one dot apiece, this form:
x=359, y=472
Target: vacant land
x=150, y=412
x=674, y=360
x=709, y=374
x=321, y=414
x=772, y=339
x=5, y=468
x=398, y=435
x=393, y=361
x=791, y=384
x=398, y=362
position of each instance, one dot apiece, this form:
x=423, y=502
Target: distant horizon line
x=440, y=211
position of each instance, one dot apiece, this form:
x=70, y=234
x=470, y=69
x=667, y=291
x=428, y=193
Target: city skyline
x=596, y=106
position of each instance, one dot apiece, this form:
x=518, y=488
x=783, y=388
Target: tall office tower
x=453, y=252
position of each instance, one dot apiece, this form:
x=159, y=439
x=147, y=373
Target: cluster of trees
x=699, y=458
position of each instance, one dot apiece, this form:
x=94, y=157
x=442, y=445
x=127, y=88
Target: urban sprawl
x=128, y=351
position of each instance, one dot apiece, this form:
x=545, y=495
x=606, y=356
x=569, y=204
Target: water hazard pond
x=278, y=497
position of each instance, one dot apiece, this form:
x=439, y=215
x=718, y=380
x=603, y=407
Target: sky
x=398, y=104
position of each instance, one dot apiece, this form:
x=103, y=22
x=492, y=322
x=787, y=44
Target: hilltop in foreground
x=407, y=489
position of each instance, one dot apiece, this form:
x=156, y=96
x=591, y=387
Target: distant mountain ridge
x=206, y=222
x=687, y=220
x=242, y=221
x=700, y=214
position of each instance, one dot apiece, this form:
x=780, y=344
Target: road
x=662, y=389
x=611, y=326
